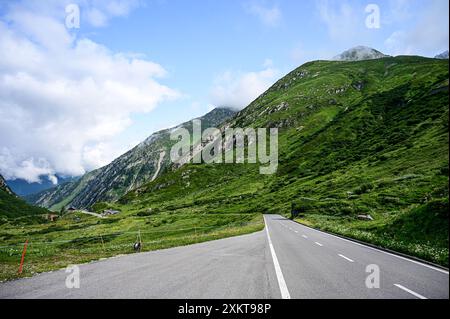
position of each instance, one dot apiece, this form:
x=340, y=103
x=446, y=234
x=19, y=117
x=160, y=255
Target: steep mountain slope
x=359, y=53
x=139, y=165
x=12, y=206
x=4, y=187
x=356, y=138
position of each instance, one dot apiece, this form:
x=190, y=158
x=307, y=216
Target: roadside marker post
x=23, y=257
x=138, y=244
x=103, y=243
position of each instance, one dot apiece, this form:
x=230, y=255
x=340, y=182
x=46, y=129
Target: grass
x=78, y=238
x=344, y=151
x=415, y=232
x=15, y=207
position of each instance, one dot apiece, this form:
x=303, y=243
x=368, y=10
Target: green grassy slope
x=356, y=138
x=368, y=137
x=13, y=207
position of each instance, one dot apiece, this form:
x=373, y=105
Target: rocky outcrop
x=360, y=53
x=4, y=186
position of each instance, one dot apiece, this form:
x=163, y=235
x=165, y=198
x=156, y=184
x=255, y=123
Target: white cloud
x=53, y=179
x=342, y=20
x=268, y=63
x=99, y=12
x=64, y=99
x=239, y=89
x=270, y=16
x=96, y=13
x=30, y=169
x=416, y=27
x=96, y=18
x=299, y=54
x=397, y=11
x=427, y=36
x=345, y=22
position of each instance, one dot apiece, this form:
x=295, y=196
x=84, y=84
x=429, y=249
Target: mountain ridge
x=359, y=53
x=128, y=171
x=349, y=138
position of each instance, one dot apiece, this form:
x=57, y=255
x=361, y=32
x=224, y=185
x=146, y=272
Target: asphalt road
x=286, y=260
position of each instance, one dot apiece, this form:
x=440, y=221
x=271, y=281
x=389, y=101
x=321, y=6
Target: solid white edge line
x=410, y=291
x=378, y=250
x=281, y=283
x=350, y=260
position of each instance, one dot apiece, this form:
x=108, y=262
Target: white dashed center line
x=319, y=244
x=410, y=291
x=346, y=258
x=304, y=236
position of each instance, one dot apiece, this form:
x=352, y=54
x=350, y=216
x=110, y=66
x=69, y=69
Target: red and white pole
x=23, y=256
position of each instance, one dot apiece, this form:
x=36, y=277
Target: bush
x=364, y=188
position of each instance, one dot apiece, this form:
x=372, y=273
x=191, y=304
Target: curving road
x=286, y=260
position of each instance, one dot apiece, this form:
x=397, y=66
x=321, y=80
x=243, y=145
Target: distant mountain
x=11, y=206
x=23, y=188
x=142, y=164
x=359, y=53
x=442, y=56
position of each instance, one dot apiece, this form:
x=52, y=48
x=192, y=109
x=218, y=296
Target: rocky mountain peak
x=359, y=53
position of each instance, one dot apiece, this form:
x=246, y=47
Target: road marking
x=296, y=231
x=318, y=244
x=378, y=250
x=350, y=260
x=410, y=291
x=304, y=236
x=283, y=287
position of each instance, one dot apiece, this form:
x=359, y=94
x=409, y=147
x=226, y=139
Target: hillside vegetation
x=356, y=138
x=13, y=207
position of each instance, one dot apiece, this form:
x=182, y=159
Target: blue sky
x=197, y=41
x=136, y=66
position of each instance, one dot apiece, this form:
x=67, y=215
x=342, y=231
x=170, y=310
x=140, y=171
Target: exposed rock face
x=142, y=164
x=360, y=53
x=4, y=186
